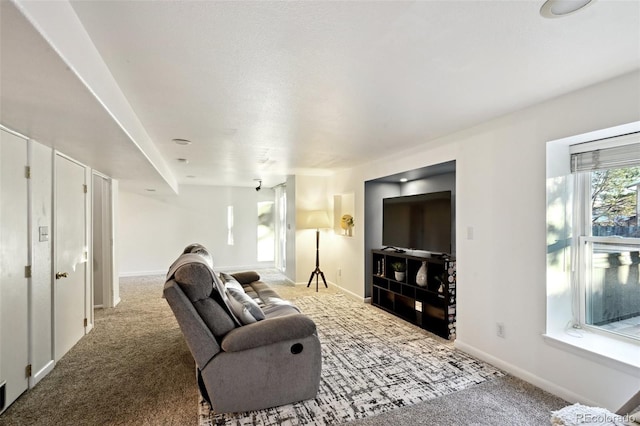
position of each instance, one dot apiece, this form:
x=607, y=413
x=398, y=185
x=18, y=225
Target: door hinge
x=27, y=172
x=28, y=370
x=84, y=188
x=27, y=271
x=86, y=322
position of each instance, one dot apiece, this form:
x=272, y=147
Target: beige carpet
x=133, y=368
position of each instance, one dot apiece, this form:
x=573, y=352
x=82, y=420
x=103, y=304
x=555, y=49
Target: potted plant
x=346, y=223
x=399, y=269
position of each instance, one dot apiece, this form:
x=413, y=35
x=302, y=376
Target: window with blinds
x=618, y=152
x=606, y=214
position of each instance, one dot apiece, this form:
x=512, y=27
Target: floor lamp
x=317, y=219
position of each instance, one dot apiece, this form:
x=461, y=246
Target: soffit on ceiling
x=43, y=99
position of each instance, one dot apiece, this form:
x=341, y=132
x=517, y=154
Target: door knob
x=61, y=275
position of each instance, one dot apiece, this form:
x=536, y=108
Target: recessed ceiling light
x=182, y=141
x=559, y=8
x=191, y=176
x=183, y=160
x=150, y=190
x=403, y=180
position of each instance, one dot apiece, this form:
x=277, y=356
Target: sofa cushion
x=265, y=293
x=214, y=316
x=197, y=284
x=195, y=276
x=280, y=309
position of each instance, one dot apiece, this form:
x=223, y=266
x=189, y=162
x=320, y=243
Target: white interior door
x=70, y=254
x=14, y=257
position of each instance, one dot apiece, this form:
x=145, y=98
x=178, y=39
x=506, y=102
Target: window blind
x=623, y=151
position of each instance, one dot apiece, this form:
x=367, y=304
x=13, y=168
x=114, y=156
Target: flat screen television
x=418, y=222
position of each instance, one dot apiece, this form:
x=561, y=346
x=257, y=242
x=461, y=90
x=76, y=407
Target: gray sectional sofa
x=253, y=350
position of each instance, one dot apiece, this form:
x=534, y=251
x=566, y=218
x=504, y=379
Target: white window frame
x=584, y=240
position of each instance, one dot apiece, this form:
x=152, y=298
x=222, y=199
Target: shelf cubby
x=431, y=306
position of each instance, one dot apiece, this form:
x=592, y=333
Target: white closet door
x=14, y=257
x=71, y=252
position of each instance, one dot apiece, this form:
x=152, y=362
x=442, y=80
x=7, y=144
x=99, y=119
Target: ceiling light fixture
x=560, y=8
x=183, y=160
x=403, y=180
x=150, y=190
x=181, y=141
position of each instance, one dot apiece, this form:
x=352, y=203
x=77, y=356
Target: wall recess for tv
x=432, y=306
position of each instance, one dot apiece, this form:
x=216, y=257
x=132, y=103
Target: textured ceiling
x=265, y=89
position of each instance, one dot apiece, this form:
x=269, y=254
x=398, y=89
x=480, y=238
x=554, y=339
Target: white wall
x=500, y=186
x=153, y=230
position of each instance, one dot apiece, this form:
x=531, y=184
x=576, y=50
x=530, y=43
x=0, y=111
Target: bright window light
x=230, y=225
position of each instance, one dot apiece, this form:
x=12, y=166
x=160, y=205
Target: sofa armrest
x=268, y=331
x=246, y=277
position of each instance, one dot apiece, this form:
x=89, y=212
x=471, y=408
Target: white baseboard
x=238, y=268
x=525, y=375
x=289, y=280
x=348, y=292
x=34, y=379
x=353, y=295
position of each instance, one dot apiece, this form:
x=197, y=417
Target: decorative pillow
x=250, y=304
x=226, y=277
x=240, y=311
x=237, y=310
x=236, y=291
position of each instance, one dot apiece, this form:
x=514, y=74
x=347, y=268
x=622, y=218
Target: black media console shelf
x=432, y=305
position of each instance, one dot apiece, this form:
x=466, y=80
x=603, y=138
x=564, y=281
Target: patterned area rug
x=372, y=362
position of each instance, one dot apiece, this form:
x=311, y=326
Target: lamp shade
x=314, y=219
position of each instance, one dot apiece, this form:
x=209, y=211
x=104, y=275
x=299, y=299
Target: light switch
x=43, y=233
x=469, y=232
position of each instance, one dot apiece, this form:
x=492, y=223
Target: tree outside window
x=614, y=202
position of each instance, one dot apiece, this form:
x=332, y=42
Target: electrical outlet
x=469, y=232
x=500, y=329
